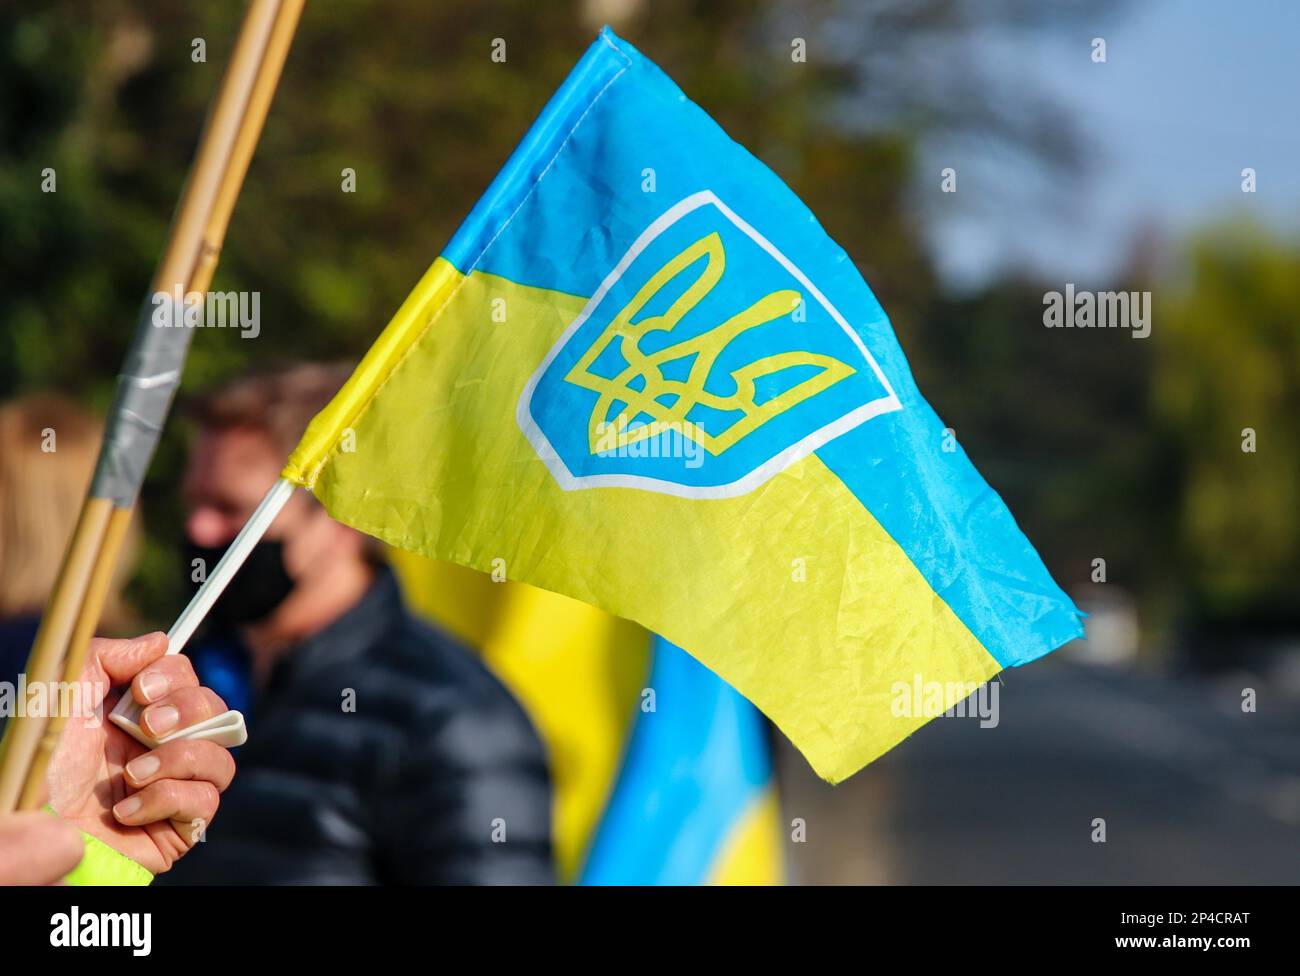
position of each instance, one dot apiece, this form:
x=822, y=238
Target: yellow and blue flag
x=695, y=801
x=642, y=375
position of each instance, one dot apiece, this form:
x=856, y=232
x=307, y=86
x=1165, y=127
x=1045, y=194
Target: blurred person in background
x=380, y=750
x=48, y=446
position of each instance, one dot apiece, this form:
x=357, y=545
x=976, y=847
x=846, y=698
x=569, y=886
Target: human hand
x=150, y=804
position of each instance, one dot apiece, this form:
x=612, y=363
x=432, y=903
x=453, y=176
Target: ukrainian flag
x=642, y=375
x=695, y=801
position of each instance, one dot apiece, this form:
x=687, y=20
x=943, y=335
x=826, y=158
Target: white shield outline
x=774, y=465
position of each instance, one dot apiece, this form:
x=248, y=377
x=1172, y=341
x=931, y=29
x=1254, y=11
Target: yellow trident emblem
x=683, y=396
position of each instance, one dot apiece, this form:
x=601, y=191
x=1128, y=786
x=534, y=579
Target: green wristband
x=102, y=865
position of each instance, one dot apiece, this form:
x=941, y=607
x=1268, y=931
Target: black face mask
x=258, y=588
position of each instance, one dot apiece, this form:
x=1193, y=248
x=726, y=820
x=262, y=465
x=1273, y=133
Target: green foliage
x=404, y=94
x=407, y=95
x=1229, y=344
x=1058, y=423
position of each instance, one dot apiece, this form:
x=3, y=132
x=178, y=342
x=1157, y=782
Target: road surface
x=1191, y=789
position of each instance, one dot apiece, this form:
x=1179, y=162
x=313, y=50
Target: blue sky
x=1192, y=92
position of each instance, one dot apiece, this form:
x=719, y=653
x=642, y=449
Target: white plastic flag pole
x=228, y=728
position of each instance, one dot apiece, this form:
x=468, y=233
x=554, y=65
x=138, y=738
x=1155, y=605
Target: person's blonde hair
x=48, y=446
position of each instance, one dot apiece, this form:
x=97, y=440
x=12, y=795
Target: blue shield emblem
x=705, y=363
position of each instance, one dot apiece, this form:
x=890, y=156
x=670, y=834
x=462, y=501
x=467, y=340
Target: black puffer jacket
x=436, y=777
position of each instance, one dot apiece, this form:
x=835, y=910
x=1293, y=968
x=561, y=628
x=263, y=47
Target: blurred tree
x=406, y=95
x=1228, y=387
x=1059, y=423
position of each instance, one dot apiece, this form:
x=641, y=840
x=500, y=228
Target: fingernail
x=142, y=767
x=127, y=807
x=161, y=718
x=153, y=686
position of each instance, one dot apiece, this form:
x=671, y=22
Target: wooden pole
x=92, y=604
x=23, y=732
x=189, y=259
x=265, y=82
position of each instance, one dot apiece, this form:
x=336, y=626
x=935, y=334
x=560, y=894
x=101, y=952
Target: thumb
x=36, y=848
